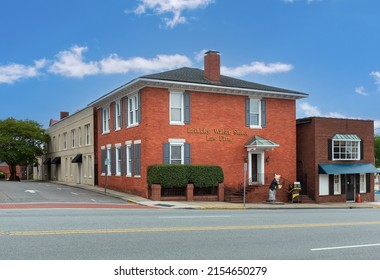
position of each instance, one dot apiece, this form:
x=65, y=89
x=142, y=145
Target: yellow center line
x=174, y=229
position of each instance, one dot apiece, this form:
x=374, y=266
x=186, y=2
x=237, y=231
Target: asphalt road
x=41, y=192
x=169, y=234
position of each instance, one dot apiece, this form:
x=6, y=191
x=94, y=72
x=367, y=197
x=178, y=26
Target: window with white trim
x=80, y=136
x=129, y=158
x=109, y=157
x=346, y=150
x=363, y=183
x=118, y=115
x=87, y=134
x=106, y=119
x=118, y=160
x=176, y=153
x=133, y=110
x=337, y=185
x=65, y=141
x=254, y=112
x=176, y=108
x=73, y=138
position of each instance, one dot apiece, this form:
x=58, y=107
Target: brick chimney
x=212, y=66
x=63, y=115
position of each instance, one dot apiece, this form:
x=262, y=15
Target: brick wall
x=208, y=111
x=312, y=149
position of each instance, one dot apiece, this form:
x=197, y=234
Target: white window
x=129, y=158
x=133, y=110
x=176, y=108
x=346, y=149
x=54, y=147
x=73, y=138
x=71, y=167
x=337, y=185
x=118, y=115
x=87, y=134
x=118, y=160
x=65, y=141
x=109, y=160
x=323, y=184
x=363, y=185
x=254, y=112
x=176, y=153
x=106, y=120
x=80, y=136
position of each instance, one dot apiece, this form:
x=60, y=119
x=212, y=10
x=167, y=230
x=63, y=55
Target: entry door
x=254, y=169
x=350, y=187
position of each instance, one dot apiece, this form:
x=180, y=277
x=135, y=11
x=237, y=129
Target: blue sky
x=61, y=55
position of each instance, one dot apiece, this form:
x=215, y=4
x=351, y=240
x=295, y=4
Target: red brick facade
x=216, y=133
x=313, y=135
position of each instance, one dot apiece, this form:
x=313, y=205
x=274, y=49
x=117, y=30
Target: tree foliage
x=377, y=151
x=20, y=142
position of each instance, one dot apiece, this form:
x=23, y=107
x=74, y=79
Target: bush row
x=178, y=176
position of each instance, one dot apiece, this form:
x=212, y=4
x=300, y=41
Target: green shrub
x=178, y=176
x=2, y=175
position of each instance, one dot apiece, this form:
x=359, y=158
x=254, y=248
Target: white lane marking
x=346, y=247
x=30, y=191
x=93, y=200
x=192, y=217
x=73, y=193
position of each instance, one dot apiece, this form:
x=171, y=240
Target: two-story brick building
x=335, y=159
x=193, y=116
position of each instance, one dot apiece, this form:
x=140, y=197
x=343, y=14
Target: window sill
x=177, y=123
x=133, y=125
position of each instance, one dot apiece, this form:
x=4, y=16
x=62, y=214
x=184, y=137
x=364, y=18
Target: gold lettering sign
x=217, y=134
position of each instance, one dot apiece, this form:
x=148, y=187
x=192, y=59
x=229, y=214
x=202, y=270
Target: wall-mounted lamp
x=267, y=159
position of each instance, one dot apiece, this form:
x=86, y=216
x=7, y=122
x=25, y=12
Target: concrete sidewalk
x=223, y=205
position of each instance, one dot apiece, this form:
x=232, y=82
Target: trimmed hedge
x=2, y=175
x=178, y=176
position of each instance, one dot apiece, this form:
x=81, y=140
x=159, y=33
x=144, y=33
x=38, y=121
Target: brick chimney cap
x=212, y=52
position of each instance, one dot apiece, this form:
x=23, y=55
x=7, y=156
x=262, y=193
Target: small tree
x=20, y=142
x=377, y=151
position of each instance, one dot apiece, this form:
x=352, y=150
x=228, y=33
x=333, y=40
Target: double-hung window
x=65, y=141
x=106, y=119
x=254, y=112
x=73, y=138
x=87, y=134
x=129, y=157
x=337, y=185
x=133, y=110
x=176, y=108
x=118, y=115
x=176, y=153
x=109, y=157
x=118, y=159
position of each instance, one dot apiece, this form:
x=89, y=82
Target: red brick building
x=335, y=159
x=193, y=116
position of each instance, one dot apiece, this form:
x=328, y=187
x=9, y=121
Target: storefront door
x=350, y=187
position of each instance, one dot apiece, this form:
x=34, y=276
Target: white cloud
x=256, y=68
x=377, y=124
x=360, y=90
x=115, y=64
x=313, y=111
x=70, y=63
x=175, y=7
x=15, y=72
x=376, y=76
x=199, y=56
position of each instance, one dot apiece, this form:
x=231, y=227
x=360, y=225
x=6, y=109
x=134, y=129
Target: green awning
x=346, y=137
x=354, y=168
x=260, y=143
